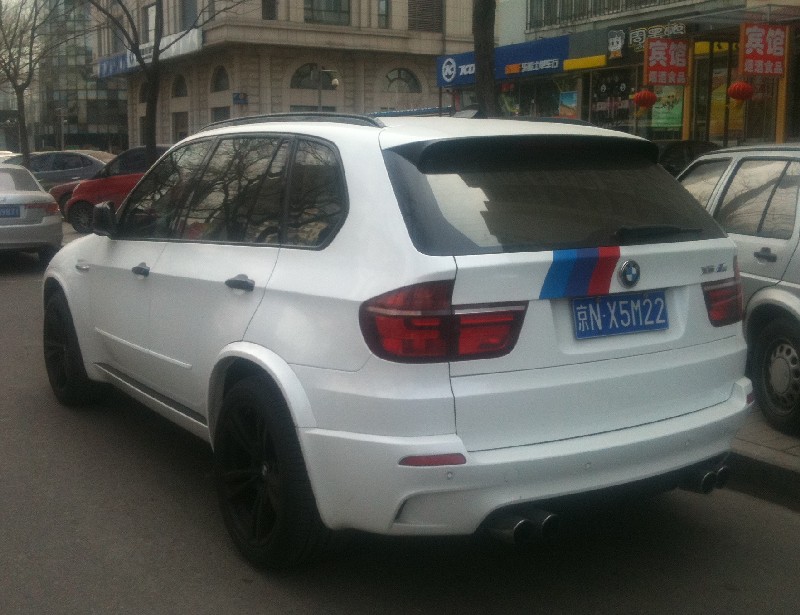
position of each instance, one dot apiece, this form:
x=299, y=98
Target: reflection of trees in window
x=307, y=78
x=154, y=207
x=761, y=199
x=401, y=80
x=238, y=198
x=316, y=195
x=219, y=80
x=179, y=89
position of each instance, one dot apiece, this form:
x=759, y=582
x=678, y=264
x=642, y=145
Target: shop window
x=179, y=89
x=403, y=81
x=219, y=80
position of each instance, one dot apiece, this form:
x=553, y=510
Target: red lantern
x=740, y=90
x=645, y=99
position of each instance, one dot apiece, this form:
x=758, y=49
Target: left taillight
x=724, y=300
x=50, y=208
x=418, y=324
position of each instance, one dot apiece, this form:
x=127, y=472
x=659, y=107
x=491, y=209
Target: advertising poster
x=668, y=110
x=568, y=105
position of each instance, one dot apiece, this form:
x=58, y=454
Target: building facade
x=693, y=55
x=265, y=56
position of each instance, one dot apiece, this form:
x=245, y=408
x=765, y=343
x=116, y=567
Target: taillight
x=50, y=208
x=419, y=324
x=724, y=299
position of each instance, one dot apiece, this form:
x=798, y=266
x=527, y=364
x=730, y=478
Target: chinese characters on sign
x=637, y=37
x=665, y=61
x=762, y=49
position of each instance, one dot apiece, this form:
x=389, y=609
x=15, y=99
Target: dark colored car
x=676, y=155
x=52, y=168
x=112, y=183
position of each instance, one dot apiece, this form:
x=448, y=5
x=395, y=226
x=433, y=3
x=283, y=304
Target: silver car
x=29, y=217
x=752, y=192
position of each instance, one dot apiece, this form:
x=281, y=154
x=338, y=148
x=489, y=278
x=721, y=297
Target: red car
x=112, y=183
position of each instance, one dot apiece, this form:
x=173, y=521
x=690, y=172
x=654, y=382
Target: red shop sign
x=762, y=49
x=666, y=61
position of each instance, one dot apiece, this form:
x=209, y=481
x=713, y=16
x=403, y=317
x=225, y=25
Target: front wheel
x=80, y=215
x=776, y=374
x=261, y=479
x=62, y=355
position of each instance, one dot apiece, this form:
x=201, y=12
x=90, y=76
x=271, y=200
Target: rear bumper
x=48, y=232
x=358, y=482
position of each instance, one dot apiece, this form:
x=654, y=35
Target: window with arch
x=308, y=77
x=402, y=80
x=219, y=80
x=179, y=89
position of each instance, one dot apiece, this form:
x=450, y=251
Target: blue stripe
x=581, y=276
x=555, y=283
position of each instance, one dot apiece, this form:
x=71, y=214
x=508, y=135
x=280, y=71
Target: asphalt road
x=111, y=510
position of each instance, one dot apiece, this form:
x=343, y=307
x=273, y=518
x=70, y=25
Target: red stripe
x=603, y=272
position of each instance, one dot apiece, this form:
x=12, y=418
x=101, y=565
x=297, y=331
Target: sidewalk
x=766, y=463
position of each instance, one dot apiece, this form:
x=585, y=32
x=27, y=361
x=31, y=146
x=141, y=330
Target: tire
x=776, y=374
x=62, y=355
x=80, y=216
x=261, y=479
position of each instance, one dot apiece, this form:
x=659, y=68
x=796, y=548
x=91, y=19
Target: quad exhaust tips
x=540, y=525
x=705, y=480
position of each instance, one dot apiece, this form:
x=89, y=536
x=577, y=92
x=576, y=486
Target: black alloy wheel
x=80, y=215
x=62, y=355
x=263, y=488
x=776, y=374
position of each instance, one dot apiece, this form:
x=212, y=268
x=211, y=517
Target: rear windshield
x=17, y=180
x=522, y=196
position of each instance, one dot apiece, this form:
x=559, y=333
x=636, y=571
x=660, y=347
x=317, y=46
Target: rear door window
x=518, y=195
x=761, y=199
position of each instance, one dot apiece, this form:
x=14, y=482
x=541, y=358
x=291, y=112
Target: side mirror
x=104, y=221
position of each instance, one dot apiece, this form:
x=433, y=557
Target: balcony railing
x=546, y=13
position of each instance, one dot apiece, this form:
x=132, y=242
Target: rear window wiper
x=626, y=234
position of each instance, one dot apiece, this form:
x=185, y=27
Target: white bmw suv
x=410, y=325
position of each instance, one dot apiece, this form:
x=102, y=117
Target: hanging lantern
x=740, y=90
x=645, y=99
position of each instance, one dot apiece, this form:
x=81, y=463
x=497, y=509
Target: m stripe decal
x=578, y=273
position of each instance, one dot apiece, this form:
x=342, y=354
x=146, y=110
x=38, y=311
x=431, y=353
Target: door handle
x=141, y=269
x=765, y=254
x=241, y=282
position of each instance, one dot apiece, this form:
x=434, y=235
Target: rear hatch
x=617, y=269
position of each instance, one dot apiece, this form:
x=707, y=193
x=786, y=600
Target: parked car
x=112, y=184
x=410, y=326
x=676, y=155
x=29, y=217
x=753, y=193
x=52, y=168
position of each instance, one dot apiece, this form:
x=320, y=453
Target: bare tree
x=24, y=42
x=139, y=38
x=483, y=19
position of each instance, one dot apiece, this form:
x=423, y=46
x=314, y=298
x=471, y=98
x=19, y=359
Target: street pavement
x=763, y=461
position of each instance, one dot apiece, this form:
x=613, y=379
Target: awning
x=764, y=13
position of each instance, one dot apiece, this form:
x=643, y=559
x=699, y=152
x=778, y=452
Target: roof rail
x=299, y=116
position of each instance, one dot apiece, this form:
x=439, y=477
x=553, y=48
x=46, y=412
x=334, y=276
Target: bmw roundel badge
x=629, y=274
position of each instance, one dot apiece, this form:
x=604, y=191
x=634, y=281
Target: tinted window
x=239, y=196
x=525, y=197
x=761, y=199
x=62, y=162
x=701, y=180
x=154, y=208
x=316, y=195
x=40, y=163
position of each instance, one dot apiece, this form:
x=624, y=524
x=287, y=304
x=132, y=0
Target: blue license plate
x=9, y=211
x=619, y=314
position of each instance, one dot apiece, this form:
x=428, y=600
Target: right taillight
x=724, y=299
x=417, y=324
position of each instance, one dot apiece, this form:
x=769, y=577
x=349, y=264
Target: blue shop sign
x=519, y=60
x=113, y=65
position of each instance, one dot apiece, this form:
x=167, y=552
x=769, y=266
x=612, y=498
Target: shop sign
x=616, y=42
x=532, y=58
x=762, y=49
x=638, y=37
x=112, y=65
x=455, y=70
x=666, y=61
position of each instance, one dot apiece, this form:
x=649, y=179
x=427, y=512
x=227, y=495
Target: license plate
x=9, y=211
x=619, y=314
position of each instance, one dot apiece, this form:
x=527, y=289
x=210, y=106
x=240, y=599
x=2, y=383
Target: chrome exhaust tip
x=517, y=530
